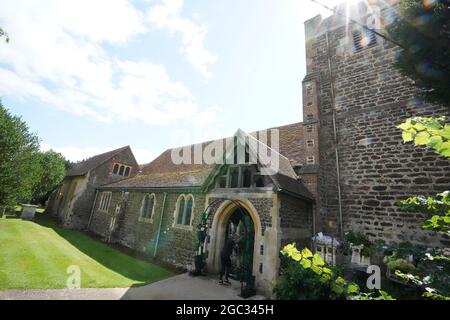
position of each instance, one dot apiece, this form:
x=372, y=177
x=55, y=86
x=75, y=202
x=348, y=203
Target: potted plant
x=360, y=247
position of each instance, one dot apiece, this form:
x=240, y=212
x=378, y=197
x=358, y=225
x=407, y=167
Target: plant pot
x=357, y=258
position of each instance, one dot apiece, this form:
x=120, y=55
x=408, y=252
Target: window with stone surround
x=148, y=207
x=183, y=212
x=310, y=143
x=121, y=169
x=310, y=160
x=105, y=200
x=309, y=128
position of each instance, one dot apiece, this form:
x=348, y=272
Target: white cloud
x=74, y=153
x=57, y=55
x=167, y=16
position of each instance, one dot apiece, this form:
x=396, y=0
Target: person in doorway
x=225, y=260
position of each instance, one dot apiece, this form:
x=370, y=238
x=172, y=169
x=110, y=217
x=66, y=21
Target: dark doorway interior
x=241, y=229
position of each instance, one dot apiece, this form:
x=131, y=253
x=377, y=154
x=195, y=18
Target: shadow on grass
x=111, y=257
x=10, y=216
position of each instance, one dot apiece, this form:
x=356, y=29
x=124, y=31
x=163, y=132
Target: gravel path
x=180, y=287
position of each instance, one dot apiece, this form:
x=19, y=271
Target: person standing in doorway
x=225, y=260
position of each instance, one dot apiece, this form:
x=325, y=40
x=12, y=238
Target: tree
x=4, y=34
x=20, y=168
x=53, y=170
x=423, y=31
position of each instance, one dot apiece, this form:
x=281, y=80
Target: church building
x=345, y=167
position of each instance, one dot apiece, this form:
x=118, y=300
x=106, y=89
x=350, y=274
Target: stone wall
x=377, y=169
x=295, y=221
x=175, y=245
x=97, y=177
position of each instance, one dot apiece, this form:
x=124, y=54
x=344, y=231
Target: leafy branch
x=435, y=134
x=438, y=207
x=4, y=34
x=430, y=132
x=339, y=286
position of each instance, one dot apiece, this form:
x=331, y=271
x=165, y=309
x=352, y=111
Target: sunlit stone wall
x=371, y=98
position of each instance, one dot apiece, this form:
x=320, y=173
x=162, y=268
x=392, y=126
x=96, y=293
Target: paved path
x=180, y=287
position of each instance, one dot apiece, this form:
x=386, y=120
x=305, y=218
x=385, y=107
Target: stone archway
x=218, y=231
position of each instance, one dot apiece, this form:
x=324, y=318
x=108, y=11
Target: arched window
x=188, y=214
x=122, y=168
x=105, y=200
x=127, y=171
x=116, y=168
x=181, y=206
x=148, y=206
x=184, y=210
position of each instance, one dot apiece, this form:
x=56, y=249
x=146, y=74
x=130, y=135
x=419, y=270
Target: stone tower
x=353, y=99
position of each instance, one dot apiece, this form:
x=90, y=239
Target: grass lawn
x=34, y=255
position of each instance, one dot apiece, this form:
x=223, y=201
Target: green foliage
x=358, y=238
x=4, y=34
x=437, y=207
x=435, y=134
x=422, y=29
x=300, y=283
x=308, y=277
x=430, y=132
x=423, y=282
x=401, y=265
x=19, y=159
x=53, y=169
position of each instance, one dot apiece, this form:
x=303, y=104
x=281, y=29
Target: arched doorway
x=226, y=220
x=241, y=229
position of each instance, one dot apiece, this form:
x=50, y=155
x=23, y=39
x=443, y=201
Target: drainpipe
x=313, y=213
x=333, y=108
x=92, y=211
x=160, y=224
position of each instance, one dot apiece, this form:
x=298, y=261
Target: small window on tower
x=309, y=117
x=309, y=128
x=310, y=160
x=310, y=143
x=371, y=37
x=357, y=41
x=309, y=89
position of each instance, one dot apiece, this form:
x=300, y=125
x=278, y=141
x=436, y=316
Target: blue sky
x=89, y=76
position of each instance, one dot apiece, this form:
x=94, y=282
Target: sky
x=89, y=76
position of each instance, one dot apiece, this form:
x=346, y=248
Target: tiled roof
x=164, y=163
x=87, y=165
x=292, y=186
x=163, y=172
x=164, y=180
x=290, y=147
